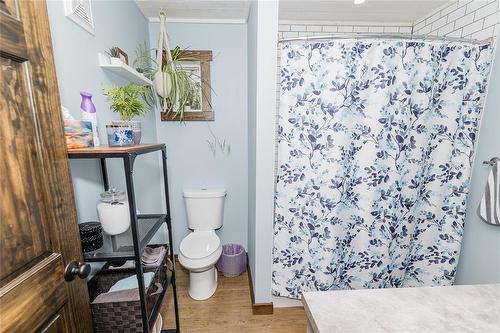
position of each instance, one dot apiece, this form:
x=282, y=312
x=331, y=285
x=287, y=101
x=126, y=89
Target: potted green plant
x=129, y=103
x=113, y=52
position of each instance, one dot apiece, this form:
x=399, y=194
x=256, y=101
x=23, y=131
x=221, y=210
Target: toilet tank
x=204, y=208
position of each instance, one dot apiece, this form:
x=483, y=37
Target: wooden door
x=38, y=225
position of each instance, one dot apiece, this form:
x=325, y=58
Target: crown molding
x=357, y=23
x=199, y=20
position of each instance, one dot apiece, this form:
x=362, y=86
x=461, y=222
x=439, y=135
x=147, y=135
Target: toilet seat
x=199, y=244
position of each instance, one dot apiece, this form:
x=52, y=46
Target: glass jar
x=113, y=212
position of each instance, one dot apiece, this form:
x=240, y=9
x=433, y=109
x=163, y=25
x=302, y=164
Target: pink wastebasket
x=233, y=260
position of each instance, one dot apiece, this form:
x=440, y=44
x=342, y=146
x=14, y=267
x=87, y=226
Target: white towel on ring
x=489, y=209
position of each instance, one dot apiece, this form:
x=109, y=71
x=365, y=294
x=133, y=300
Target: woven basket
x=126, y=316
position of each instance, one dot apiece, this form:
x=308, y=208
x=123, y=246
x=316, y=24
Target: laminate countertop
x=470, y=308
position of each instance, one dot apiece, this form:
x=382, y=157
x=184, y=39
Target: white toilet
x=200, y=250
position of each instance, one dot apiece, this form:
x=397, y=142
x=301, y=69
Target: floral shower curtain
x=375, y=146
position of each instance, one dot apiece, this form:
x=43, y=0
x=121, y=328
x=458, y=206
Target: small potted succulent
x=116, y=53
x=128, y=102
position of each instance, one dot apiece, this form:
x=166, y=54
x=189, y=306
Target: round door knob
x=76, y=268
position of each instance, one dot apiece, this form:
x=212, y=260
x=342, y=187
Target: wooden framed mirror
x=196, y=62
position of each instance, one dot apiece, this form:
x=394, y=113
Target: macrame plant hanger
x=162, y=80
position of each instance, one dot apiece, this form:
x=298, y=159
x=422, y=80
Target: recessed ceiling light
x=358, y=2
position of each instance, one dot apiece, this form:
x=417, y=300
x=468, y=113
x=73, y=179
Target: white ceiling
x=346, y=10
x=236, y=11
x=202, y=11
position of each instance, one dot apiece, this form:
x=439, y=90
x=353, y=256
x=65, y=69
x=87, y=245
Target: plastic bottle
x=89, y=114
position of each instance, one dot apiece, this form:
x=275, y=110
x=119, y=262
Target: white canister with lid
x=113, y=212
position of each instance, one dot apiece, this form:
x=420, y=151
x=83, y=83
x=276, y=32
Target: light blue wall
x=252, y=117
x=480, y=257
x=191, y=163
x=117, y=23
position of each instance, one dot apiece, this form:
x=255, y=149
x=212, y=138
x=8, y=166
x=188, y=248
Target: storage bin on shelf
x=124, y=315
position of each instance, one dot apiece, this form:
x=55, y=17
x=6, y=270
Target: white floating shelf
x=115, y=65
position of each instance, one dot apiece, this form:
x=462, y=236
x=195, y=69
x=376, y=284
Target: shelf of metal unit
x=114, y=152
x=142, y=227
x=118, y=247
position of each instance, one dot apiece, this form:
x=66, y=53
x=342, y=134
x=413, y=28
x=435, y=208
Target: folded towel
x=156, y=263
x=489, y=209
x=126, y=295
x=131, y=282
x=118, y=296
x=153, y=256
x=129, y=264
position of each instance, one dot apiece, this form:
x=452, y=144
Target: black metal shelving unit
x=142, y=227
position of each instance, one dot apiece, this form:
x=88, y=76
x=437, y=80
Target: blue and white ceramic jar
x=119, y=136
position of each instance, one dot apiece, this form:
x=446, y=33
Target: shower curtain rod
x=388, y=36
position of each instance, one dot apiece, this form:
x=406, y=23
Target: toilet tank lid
x=205, y=193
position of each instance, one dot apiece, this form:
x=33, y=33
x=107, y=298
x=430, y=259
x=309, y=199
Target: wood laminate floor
x=229, y=310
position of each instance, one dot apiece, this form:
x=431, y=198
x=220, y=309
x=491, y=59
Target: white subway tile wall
x=478, y=19
x=299, y=30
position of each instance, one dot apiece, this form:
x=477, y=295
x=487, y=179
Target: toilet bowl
x=198, y=253
x=200, y=250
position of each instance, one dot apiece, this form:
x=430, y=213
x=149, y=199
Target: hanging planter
x=162, y=79
x=173, y=86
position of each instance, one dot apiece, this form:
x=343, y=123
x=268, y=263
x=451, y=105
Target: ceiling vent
x=80, y=12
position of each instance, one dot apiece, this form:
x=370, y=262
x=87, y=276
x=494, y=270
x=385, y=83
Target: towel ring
x=492, y=162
